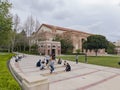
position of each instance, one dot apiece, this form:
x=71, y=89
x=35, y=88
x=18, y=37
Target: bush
x=74, y=54
x=35, y=52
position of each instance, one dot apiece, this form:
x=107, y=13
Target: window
x=48, y=46
x=53, y=46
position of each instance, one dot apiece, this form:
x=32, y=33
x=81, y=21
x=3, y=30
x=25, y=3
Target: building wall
x=77, y=37
x=92, y=52
x=117, y=44
x=47, y=47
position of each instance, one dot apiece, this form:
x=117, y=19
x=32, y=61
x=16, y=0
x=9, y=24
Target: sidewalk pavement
x=81, y=77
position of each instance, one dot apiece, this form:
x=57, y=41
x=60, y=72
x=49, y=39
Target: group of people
x=46, y=62
x=50, y=62
x=66, y=64
x=18, y=57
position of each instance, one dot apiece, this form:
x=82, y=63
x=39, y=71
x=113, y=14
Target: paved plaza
x=81, y=77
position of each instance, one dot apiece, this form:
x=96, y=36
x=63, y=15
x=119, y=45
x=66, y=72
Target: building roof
x=49, y=42
x=63, y=29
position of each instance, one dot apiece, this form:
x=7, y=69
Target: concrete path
x=82, y=77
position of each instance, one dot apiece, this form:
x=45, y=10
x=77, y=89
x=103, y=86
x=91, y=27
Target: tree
x=78, y=51
x=111, y=48
x=16, y=26
x=66, y=43
x=37, y=25
x=21, y=41
x=29, y=28
x=95, y=42
x=5, y=25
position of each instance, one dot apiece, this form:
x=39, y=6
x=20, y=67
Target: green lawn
x=110, y=61
x=7, y=82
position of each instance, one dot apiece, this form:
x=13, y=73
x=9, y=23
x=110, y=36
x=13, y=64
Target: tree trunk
x=12, y=47
x=13, y=44
x=96, y=52
x=29, y=46
x=8, y=48
x=24, y=47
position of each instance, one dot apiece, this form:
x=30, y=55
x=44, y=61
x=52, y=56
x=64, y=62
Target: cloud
x=45, y=5
x=93, y=16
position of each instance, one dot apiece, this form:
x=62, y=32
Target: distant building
x=49, y=47
x=117, y=44
x=48, y=32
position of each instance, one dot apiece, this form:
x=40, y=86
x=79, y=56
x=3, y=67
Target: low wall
x=28, y=82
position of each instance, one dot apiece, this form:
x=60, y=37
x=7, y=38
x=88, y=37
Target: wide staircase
x=81, y=77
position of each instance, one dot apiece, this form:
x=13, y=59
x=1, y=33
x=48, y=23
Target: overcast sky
x=92, y=16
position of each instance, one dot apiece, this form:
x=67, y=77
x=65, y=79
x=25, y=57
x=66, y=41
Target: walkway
x=82, y=77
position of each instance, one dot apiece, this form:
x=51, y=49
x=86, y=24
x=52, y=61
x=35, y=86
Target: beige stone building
x=117, y=44
x=48, y=32
x=49, y=47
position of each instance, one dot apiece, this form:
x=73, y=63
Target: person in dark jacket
x=38, y=63
x=68, y=67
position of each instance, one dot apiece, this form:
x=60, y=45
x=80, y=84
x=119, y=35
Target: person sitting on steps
x=42, y=66
x=65, y=63
x=38, y=63
x=68, y=67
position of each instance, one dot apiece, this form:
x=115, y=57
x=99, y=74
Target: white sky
x=92, y=16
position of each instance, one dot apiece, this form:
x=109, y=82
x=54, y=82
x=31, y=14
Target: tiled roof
x=63, y=29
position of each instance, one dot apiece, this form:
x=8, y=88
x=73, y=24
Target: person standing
x=51, y=66
x=47, y=60
x=59, y=61
x=76, y=59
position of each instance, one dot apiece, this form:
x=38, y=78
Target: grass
x=7, y=82
x=31, y=53
x=110, y=61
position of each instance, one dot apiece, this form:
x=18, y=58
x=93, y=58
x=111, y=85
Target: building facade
x=117, y=48
x=49, y=48
x=48, y=32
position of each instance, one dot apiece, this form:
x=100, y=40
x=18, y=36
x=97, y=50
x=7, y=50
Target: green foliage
x=110, y=61
x=5, y=24
x=32, y=52
x=111, y=48
x=34, y=49
x=78, y=50
x=66, y=43
x=95, y=42
x=21, y=41
x=7, y=82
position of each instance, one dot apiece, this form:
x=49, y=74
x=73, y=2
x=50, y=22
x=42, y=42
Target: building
x=49, y=47
x=48, y=32
x=117, y=44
